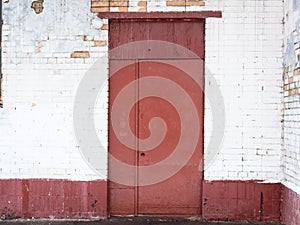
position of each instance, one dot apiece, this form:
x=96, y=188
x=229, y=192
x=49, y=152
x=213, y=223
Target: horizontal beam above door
x=160, y=15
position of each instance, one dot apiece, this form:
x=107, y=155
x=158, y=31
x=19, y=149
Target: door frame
x=164, y=16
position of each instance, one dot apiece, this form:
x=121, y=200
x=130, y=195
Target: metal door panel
x=181, y=193
x=121, y=197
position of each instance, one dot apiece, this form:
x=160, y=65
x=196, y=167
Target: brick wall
x=291, y=83
x=244, y=53
x=46, y=55
x=142, y=6
x=291, y=80
x=48, y=51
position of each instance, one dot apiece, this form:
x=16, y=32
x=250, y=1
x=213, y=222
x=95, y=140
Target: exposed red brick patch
x=176, y=3
x=100, y=43
x=185, y=3
x=100, y=4
x=286, y=87
x=104, y=27
x=142, y=3
x=119, y=4
x=80, y=54
x=100, y=9
x=123, y=9
x=143, y=10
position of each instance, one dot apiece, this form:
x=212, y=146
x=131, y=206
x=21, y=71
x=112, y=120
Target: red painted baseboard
x=290, y=208
x=41, y=198
x=241, y=200
x=222, y=200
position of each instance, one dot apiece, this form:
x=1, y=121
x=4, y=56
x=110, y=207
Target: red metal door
x=155, y=126
x=178, y=101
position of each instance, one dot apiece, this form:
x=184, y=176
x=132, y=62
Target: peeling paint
x=296, y=4
x=69, y=19
x=290, y=58
x=38, y=6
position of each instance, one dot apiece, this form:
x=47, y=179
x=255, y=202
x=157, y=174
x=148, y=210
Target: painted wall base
x=290, y=208
x=222, y=200
x=53, y=199
x=241, y=200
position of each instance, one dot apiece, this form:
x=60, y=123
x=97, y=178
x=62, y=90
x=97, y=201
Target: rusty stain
x=38, y=6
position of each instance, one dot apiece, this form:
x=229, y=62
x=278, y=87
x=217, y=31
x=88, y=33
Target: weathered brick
x=287, y=69
x=293, y=92
x=297, y=71
x=100, y=4
x=195, y=3
x=100, y=43
x=118, y=4
x=143, y=9
x=99, y=9
x=80, y=54
x=123, y=9
x=142, y=3
x=286, y=87
x=104, y=27
x=176, y=3
x=88, y=38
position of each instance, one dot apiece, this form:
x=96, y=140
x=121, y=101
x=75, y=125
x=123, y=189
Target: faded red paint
x=165, y=198
x=290, y=208
x=241, y=200
x=222, y=200
x=160, y=15
x=187, y=33
x=41, y=198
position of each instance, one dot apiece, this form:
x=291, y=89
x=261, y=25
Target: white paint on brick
x=36, y=136
x=243, y=52
x=291, y=160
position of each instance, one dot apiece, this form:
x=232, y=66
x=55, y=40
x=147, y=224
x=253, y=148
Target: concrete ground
x=129, y=221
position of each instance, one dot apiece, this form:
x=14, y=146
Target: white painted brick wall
x=243, y=52
x=37, y=136
x=291, y=153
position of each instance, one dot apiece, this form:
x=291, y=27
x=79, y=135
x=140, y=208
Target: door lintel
x=160, y=15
